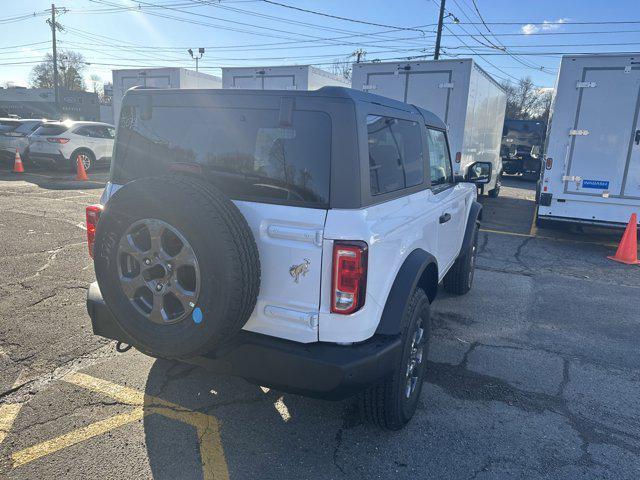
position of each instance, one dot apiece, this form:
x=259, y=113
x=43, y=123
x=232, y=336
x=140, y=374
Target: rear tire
x=391, y=404
x=459, y=279
x=496, y=190
x=87, y=157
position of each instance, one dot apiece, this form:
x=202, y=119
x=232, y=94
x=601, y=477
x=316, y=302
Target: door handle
x=637, y=138
x=445, y=218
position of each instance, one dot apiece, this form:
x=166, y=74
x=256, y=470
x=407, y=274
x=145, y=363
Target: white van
x=592, y=160
x=465, y=97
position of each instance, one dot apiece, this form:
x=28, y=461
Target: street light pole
x=196, y=57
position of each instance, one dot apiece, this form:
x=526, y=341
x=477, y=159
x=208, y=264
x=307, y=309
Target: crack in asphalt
x=462, y=383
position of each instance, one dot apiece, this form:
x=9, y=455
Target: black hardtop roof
x=430, y=118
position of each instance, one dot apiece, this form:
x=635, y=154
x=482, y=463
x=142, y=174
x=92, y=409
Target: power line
x=501, y=46
x=353, y=20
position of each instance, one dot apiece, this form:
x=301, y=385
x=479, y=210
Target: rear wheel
x=496, y=190
x=459, y=279
x=86, y=157
x=391, y=404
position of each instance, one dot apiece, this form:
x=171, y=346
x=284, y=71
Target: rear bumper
x=46, y=158
x=320, y=370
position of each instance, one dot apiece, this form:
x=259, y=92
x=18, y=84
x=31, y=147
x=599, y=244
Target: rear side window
x=247, y=153
x=395, y=154
x=439, y=160
x=27, y=127
x=47, y=130
x=8, y=126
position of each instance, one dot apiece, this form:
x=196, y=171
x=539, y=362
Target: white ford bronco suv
x=295, y=239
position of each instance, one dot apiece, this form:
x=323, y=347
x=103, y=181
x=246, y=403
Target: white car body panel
x=595, y=175
x=459, y=92
x=392, y=231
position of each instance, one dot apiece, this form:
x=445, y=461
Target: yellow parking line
x=8, y=414
x=72, y=438
x=502, y=232
x=214, y=464
x=543, y=237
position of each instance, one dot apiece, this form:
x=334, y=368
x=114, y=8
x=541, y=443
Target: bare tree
x=71, y=66
x=526, y=101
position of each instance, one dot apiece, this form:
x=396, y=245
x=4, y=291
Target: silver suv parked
x=66, y=143
x=14, y=134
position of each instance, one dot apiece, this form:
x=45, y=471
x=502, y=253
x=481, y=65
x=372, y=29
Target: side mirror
x=457, y=178
x=479, y=173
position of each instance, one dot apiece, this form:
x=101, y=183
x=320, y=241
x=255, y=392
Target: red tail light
x=548, y=163
x=93, y=215
x=57, y=140
x=349, y=277
x=458, y=157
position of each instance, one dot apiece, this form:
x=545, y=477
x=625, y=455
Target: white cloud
x=555, y=25
x=546, y=25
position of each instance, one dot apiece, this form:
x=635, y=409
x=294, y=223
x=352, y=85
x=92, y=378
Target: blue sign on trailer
x=598, y=184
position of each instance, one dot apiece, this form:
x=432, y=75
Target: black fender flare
x=475, y=215
x=420, y=269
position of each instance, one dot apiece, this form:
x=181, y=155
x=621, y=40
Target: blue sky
x=246, y=32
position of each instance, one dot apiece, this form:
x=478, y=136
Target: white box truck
x=170, y=77
x=464, y=96
x=294, y=77
x=592, y=156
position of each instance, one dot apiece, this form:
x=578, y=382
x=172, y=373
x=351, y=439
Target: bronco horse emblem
x=296, y=270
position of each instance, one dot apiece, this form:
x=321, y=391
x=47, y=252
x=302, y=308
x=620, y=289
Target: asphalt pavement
x=533, y=374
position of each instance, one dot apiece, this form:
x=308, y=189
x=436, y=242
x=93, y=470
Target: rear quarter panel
x=392, y=231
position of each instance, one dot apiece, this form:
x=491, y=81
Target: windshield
x=247, y=153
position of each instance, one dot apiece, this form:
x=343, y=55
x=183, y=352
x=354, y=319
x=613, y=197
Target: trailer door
x=631, y=186
x=390, y=85
x=431, y=91
x=251, y=82
x=600, y=146
x=279, y=82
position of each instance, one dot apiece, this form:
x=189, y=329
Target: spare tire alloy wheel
x=158, y=271
x=177, y=265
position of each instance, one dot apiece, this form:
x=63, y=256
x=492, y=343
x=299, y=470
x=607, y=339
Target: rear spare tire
x=177, y=265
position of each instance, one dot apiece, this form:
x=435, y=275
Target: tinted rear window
x=247, y=153
x=51, y=130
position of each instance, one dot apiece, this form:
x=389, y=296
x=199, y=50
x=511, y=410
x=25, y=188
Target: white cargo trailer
x=296, y=77
x=170, y=77
x=464, y=96
x=592, y=157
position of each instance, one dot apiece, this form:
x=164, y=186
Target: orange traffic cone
x=17, y=164
x=628, y=249
x=81, y=173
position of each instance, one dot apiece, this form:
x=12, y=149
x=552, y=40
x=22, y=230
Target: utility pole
x=436, y=54
x=55, y=26
x=196, y=58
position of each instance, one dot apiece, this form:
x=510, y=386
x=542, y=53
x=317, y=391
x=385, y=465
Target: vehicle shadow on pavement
x=257, y=432
x=55, y=179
